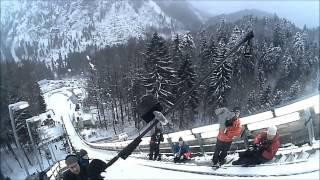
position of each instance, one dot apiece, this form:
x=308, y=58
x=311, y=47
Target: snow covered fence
x=205, y=136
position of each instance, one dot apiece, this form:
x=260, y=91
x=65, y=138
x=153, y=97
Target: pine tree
x=271, y=59
x=300, y=54
x=188, y=46
x=176, y=52
x=278, y=36
x=235, y=36
x=160, y=76
x=252, y=101
x=222, y=31
x=294, y=90
x=187, y=79
x=220, y=81
x=277, y=98
x=288, y=65
x=265, y=97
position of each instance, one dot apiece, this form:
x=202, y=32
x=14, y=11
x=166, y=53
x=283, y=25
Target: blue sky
x=297, y=11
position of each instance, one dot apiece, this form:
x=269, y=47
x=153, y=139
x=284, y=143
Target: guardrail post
x=171, y=144
x=309, y=118
x=244, y=136
x=198, y=136
x=273, y=113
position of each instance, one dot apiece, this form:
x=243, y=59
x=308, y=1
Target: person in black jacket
x=75, y=171
x=156, y=137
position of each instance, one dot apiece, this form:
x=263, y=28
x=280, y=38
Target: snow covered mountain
x=45, y=30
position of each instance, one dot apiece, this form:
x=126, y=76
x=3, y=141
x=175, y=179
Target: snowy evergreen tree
x=271, y=59
x=219, y=81
x=222, y=31
x=298, y=44
x=252, y=102
x=176, y=52
x=205, y=57
x=188, y=46
x=288, y=65
x=237, y=58
x=277, y=98
x=235, y=36
x=294, y=90
x=160, y=76
x=300, y=54
x=265, y=97
x=278, y=36
x=187, y=79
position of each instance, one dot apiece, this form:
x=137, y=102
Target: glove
x=265, y=142
x=257, y=148
x=229, y=123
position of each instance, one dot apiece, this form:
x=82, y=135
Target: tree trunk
x=104, y=117
x=113, y=117
x=181, y=125
x=98, y=111
x=121, y=107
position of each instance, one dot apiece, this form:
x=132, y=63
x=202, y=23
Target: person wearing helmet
x=229, y=128
x=265, y=147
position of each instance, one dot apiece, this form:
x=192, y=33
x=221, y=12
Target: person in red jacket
x=229, y=128
x=265, y=147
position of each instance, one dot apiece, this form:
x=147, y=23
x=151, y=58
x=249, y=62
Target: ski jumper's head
x=72, y=163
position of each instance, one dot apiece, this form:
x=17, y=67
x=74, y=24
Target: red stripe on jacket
x=231, y=131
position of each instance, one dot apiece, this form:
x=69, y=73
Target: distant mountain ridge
x=232, y=17
x=48, y=30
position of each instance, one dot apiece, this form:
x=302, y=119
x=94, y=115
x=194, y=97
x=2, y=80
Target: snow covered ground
x=133, y=168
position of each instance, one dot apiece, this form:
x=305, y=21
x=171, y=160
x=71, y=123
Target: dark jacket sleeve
x=68, y=176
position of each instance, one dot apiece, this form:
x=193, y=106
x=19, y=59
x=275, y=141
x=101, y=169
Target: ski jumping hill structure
x=297, y=122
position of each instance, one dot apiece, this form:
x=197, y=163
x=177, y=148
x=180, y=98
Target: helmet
x=82, y=152
x=272, y=130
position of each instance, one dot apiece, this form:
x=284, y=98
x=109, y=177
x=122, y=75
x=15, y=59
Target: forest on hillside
x=283, y=65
